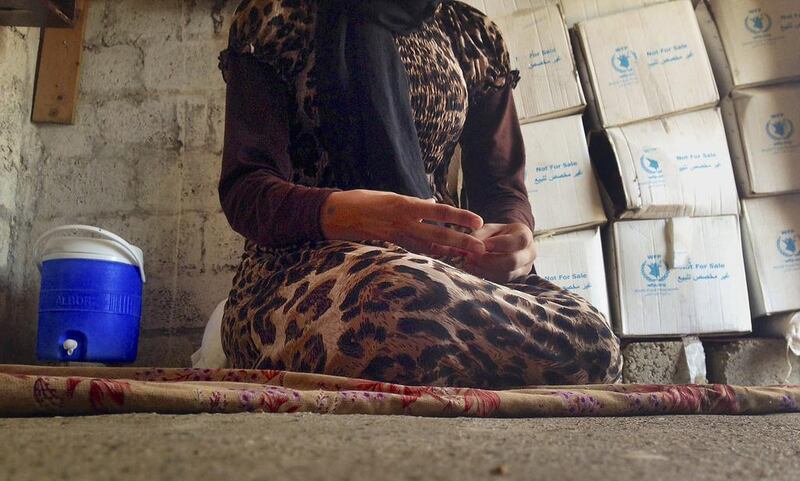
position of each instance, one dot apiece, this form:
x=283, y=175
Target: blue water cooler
x=90, y=303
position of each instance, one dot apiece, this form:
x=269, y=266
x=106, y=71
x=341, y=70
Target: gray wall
x=19, y=160
x=142, y=160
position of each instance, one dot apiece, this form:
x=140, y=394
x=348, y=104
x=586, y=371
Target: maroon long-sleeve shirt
x=261, y=202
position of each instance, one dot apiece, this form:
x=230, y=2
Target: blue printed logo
x=758, y=22
x=650, y=165
x=654, y=269
x=787, y=244
x=780, y=128
x=623, y=60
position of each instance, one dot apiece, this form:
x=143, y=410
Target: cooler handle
x=94, y=230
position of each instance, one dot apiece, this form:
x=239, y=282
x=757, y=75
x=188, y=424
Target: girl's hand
x=509, y=255
x=359, y=215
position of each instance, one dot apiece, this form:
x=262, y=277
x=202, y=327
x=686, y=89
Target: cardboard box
x=540, y=48
x=674, y=167
x=762, y=125
x=715, y=50
x=591, y=116
x=559, y=176
x=576, y=11
x=499, y=8
x=761, y=39
x=647, y=63
x=574, y=262
x=673, y=277
x=771, y=236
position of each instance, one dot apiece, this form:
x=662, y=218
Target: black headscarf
x=367, y=121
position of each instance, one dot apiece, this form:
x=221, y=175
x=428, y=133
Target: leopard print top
x=452, y=60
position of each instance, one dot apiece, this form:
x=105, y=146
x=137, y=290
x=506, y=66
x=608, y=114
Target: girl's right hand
x=359, y=215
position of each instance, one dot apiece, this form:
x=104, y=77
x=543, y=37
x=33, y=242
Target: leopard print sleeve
x=480, y=48
x=276, y=32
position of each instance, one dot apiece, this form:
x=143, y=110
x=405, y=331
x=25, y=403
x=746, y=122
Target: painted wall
x=19, y=162
x=142, y=160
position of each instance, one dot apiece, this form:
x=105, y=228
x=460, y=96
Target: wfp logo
x=654, y=269
x=787, y=244
x=758, y=22
x=650, y=165
x=780, y=128
x=623, y=60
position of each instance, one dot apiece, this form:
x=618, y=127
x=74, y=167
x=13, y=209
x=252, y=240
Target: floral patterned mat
x=49, y=391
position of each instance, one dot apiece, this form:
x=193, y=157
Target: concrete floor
x=307, y=447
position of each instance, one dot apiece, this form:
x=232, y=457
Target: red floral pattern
x=99, y=390
x=30, y=390
x=270, y=399
x=44, y=395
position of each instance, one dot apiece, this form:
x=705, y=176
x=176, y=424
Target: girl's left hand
x=510, y=252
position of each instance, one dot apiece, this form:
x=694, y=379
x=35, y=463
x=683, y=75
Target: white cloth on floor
x=793, y=333
x=210, y=355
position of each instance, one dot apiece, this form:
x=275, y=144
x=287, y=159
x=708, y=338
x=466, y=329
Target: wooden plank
x=58, y=71
x=21, y=18
x=37, y=13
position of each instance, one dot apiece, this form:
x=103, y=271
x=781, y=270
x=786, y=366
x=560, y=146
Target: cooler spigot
x=70, y=345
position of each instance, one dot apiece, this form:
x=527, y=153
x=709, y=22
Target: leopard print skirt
x=376, y=311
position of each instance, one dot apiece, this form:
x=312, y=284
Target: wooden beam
x=38, y=13
x=58, y=71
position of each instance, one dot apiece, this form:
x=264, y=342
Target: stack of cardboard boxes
x=755, y=50
x=673, y=129
x=674, y=252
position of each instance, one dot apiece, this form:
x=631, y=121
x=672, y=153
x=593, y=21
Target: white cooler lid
x=89, y=248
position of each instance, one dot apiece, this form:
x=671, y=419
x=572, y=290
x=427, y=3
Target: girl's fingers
x=447, y=214
x=487, y=231
x=432, y=234
x=512, y=238
x=508, y=243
